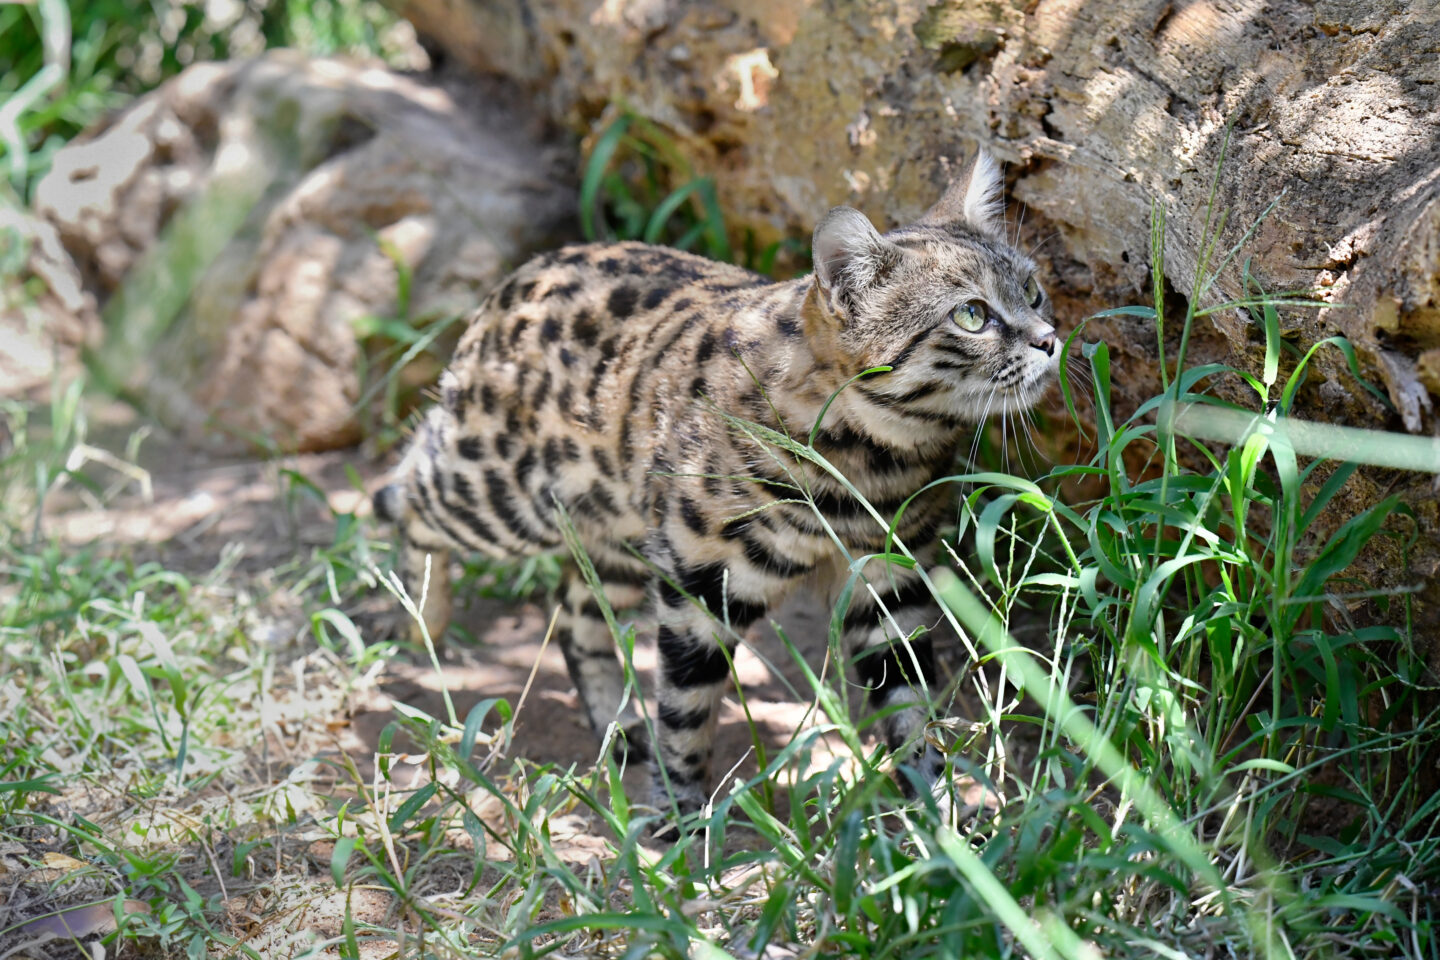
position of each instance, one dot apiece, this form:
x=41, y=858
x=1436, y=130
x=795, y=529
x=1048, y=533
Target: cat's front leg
x=886, y=637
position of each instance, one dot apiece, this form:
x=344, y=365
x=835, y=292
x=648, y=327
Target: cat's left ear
x=851, y=258
x=976, y=198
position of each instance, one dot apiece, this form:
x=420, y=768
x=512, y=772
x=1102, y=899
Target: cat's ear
x=976, y=198
x=850, y=258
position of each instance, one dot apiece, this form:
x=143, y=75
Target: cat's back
x=582, y=303
x=559, y=382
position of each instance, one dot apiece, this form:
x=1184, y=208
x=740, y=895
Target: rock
x=47, y=313
x=1329, y=109
x=241, y=219
x=1098, y=110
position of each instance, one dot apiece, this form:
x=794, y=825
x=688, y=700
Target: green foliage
x=65, y=64
x=637, y=185
x=1202, y=747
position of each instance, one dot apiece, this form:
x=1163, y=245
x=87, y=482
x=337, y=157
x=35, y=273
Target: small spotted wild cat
x=594, y=378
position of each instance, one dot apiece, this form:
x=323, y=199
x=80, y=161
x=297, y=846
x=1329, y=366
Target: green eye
x=971, y=316
x=1034, y=294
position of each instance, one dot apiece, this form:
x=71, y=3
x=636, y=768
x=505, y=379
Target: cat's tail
x=389, y=503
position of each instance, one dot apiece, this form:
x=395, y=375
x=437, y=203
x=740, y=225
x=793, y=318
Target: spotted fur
x=595, y=378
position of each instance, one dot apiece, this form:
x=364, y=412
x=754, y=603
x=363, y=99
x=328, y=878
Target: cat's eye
x=1033, y=293
x=971, y=316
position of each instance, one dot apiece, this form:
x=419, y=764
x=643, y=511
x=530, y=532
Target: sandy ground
x=192, y=508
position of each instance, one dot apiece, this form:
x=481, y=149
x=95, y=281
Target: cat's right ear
x=850, y=258
x=976, y=198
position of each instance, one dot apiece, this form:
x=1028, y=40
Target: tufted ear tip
x=976, y=198
x=985, y=193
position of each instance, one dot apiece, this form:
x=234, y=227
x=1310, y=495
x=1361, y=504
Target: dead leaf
x=57, y=866
x=80, y=922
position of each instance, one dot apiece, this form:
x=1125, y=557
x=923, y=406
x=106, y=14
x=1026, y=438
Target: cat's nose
x=1044, y=339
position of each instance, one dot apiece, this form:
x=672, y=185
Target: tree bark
x=1329, y=109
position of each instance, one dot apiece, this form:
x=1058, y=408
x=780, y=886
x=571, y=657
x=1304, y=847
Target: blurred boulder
x=46, y=314
x=242, y=219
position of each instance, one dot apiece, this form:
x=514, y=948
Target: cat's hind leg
x=423, y=563
x=591, y=655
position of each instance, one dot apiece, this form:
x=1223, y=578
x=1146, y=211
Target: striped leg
x=436, y=593
x=897, y=672
x=417, y=542
x=694, y=667
x=592, y=659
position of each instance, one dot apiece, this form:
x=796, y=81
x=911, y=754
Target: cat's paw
x=632, y=743
x=928, y=766
x=677, y=804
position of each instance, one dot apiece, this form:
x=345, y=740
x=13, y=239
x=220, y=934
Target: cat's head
x=947, y=301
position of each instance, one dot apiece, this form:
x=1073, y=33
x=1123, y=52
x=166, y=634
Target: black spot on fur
x=597, y=375
x=498, y=492
x=542, y=390
x=602, y=462
x=600, y=496
x=464, y=488
x=527, y=292
x=906, y=351
x=706, y=583
x=551, y=454
x=622, y=302
x=550, y=329
x=705, y=350
x=610, y=266
x=502, y=445
x=572, y=449
x=690, y=513
x=690, y=662
x=465, y=514
x=565, y=290
x=655, y=297
x=472, y=520
x=471, y=448
x=524, y=466
x=769, y=561
x=919, y=392
x=628, y=576
x=425, y=506
x=507, y=294
x=842, y=440
x=518, y=330
x=584, y=330
x=677, y=719
x=487, y=399
x=566, y=357
x=455, y=400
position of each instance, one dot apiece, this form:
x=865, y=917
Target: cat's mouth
x=1020, y=387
